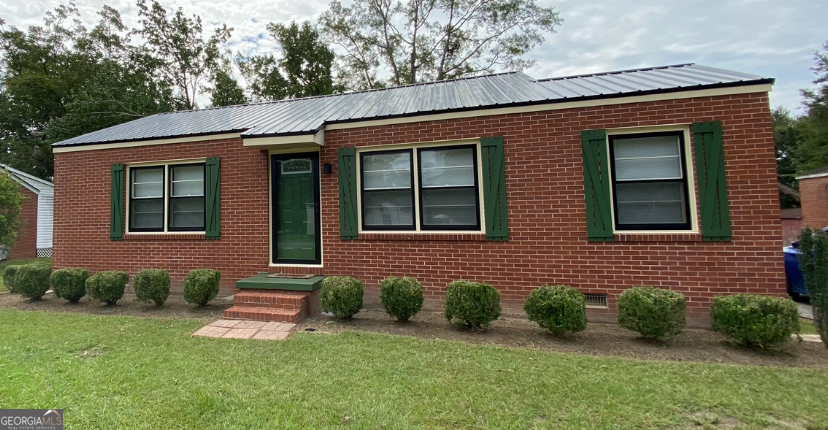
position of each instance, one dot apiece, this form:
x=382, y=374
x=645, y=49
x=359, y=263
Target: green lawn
x=5, y=264
x=124, y=372
x=806, y=326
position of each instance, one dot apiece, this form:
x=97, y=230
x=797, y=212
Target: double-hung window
x=649, y=182
x=429, y=188
x=167, y=198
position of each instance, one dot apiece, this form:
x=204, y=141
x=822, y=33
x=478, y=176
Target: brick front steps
x=274, y=305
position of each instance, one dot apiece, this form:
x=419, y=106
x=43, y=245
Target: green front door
x=296, y=208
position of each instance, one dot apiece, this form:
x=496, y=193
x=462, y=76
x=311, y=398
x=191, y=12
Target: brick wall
x=544, y=180
x=26, y=244
x=814, y=197
x=82, y=202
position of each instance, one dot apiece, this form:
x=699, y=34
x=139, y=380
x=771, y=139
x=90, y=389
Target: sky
x=770, y=38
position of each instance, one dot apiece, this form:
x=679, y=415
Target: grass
x=5, y=264
x=806, y=326
x=125, y=372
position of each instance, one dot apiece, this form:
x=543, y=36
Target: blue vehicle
x=793, y=276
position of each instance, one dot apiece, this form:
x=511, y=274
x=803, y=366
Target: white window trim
x=128, y=186
x=415, y=185
x=689, y=169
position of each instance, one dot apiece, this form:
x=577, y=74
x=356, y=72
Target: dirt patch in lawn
x=174, y=307
x=696, y=345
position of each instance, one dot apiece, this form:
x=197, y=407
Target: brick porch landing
x=237, y=329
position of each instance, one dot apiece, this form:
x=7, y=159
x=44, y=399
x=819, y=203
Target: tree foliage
x=304, y=68
x=802, y=142
x=10, y=203
x=183, y=57
x=427, y=40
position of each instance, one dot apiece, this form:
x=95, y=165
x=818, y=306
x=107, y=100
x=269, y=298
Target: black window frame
x=476, y=187
x=362, y=192
x=203, y=197
x=417, y=188
x=132, y=198
x=166, y=196
x=688, y=224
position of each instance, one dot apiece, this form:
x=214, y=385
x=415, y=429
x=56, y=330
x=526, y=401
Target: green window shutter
x=596, y=185
x=116, y=208
x=494, y=188
x=346, y=165
x=710, y=168
x=212, y=184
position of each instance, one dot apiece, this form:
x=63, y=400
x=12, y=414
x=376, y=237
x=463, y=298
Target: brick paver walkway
x=237, y=329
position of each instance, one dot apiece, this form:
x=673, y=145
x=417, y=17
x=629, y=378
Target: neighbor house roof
x=33, y=183
x=816, y=173
x=309, y=115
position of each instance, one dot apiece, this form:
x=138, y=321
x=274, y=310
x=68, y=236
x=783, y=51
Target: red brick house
x=34, y=238
x=662, y=176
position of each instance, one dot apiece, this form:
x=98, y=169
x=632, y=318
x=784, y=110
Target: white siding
x=45, y=211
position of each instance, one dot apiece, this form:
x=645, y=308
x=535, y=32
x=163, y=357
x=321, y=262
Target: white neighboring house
x=45, y=192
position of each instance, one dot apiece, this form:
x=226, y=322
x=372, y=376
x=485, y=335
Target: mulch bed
x=694, y=345
x=174, y=307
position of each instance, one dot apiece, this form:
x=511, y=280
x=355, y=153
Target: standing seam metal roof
x=309, y=115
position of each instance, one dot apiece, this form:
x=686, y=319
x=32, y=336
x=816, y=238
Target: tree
x=812, y=128
x=225, y=91
x=427, y=40
x=785, y=139
x=10, y=203
x=184, y=57
x=304, y=68
x=60, y=80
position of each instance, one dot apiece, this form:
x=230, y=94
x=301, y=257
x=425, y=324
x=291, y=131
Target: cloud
x=763, y=37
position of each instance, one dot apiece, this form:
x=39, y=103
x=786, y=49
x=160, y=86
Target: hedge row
x=754, y=321
x=151, y=285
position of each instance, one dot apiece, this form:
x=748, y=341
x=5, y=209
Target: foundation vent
x=595, y=300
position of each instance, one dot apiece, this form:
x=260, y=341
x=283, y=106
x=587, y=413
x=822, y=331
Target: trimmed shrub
x=69, y=283
x=341, y=296
x=32, y=280
x=8, y=277
x=813, y=261
x=152, y=285
x=652, y=312
x=107, y=286
x=474, y=304
x=201, y=286
x=402, y=297
x=755, y=321
x=559, y=309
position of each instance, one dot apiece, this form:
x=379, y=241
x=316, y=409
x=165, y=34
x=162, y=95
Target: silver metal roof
x=309, y=115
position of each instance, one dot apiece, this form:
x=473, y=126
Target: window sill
x=454, y=237
x=658, y=237
x=165, y=236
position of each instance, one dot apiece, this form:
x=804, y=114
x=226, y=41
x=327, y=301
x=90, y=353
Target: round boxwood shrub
x=201, y=286
x=401, y=297
x=755, y=321
x=152, y=285
x=32, y=280
x=69, y=283
x=559, y=309
x=654, y=313
x=107, y=286
x=8, y=277
x=473, y=304
x=341, y=296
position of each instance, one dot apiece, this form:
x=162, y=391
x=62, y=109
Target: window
x=167, y=198
x=420, y=189
x=649, y=182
